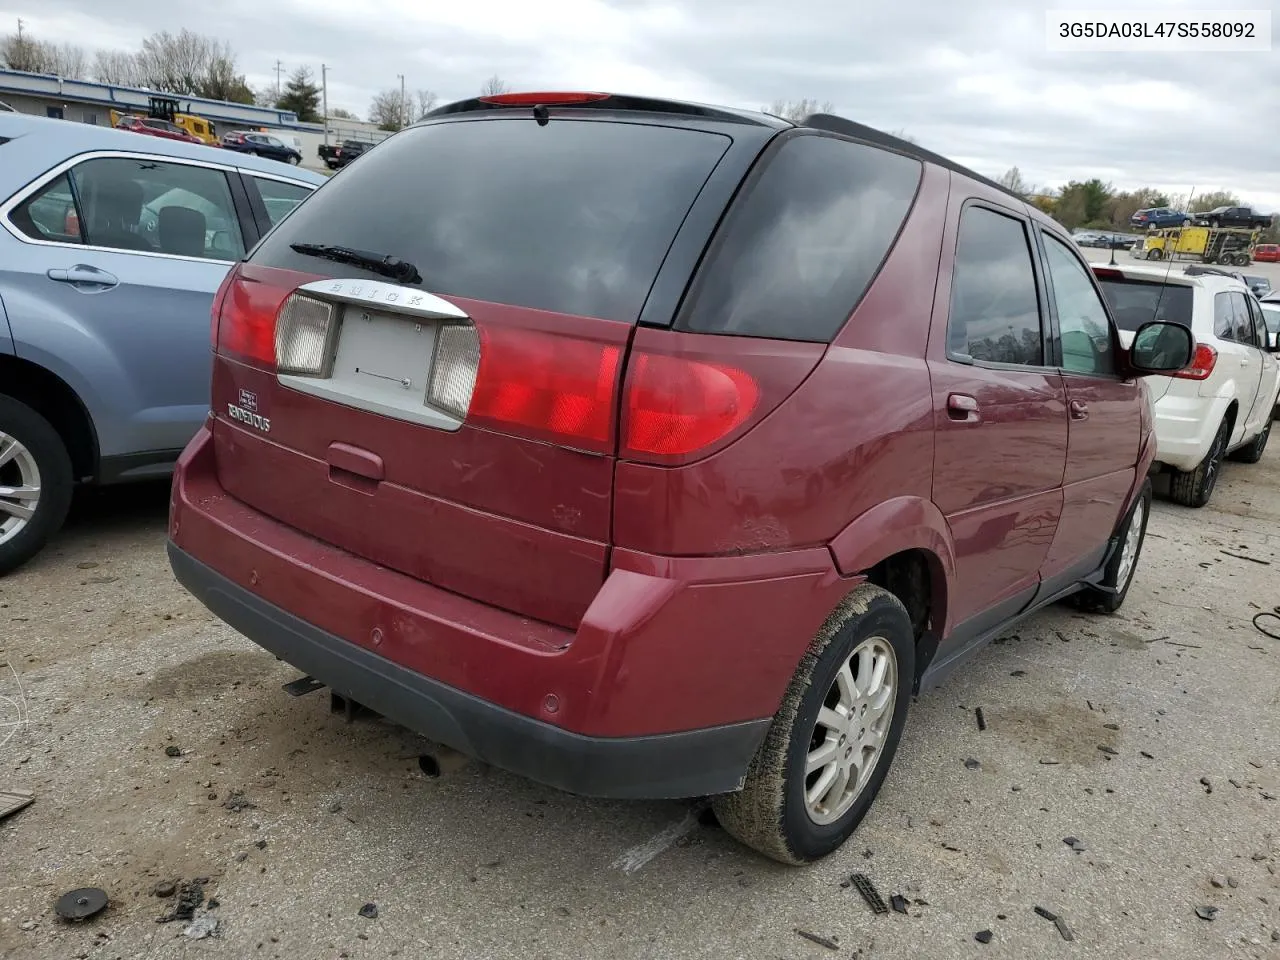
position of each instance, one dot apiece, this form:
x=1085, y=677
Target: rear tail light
x=549, y=386
x=453, y=369
x=304, y=336
x=675, y=406
x=1201, y=365
x=245, y=311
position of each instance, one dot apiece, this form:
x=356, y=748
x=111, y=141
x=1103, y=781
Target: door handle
x=1079, y=410
x=1244, y=362
x=84, y=277
x=963, y=408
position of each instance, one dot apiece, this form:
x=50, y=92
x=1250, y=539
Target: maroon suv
x=656, y=450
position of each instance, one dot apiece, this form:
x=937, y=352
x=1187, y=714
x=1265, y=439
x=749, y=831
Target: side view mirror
x=1161, y=348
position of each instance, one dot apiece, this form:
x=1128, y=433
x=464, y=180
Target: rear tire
x=1120, y=569
x=1252, y=452
x=1194, y=488
x=825, y=720
x=31, y=455
x=1155, y=254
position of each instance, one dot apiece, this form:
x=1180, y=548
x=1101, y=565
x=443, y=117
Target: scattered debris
x=28, y=925
x=236, y=802
x=869, y=893
x=1145, y=754
x=369, y=911
x=980, y=717
x=1217, y=882
x=1111, y=726
x=1232, y=882
x=1241, y=556
x=972, y=764
x=1017, y=673
x=1184, y=646
x=1207, y=913
x=983, y=936
x=1063, y=930
x=1259, y=857
x=819, y=940
x=241, y=857
x=1208, y=787
x=204, y=926
x=11, y=801
x=1074, y=843
x=190, y=896
x=1109, y=751
x=335, y=807
x=898, y=902
x=1047, y=762
x=172, y=751
x=260, y=844
x=302, y=686
x=81, y=904
x=165, y=888
x=1047, y=914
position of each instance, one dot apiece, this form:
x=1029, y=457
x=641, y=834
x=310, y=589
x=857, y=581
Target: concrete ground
x=1152, y=737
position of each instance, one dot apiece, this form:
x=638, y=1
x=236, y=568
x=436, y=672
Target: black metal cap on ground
x=81, y=904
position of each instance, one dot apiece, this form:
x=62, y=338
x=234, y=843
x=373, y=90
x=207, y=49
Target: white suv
x=1222, y=403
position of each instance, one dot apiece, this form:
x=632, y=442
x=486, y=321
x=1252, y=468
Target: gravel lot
x=118, y=665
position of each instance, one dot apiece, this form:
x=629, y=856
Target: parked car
x=493, y=480
x=1267, y=253
x=1221, y=404
x=1159, y=217
x=153, y=127
x=1234, y=217
x=262, y=145
x=1259, y=286
x=111, y=249
x=336, y=157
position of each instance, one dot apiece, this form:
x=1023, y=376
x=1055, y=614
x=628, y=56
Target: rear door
x=1000, y=417
x=1104, y=417
x=1264, y=402
x=1242, y=361
x=123, y=284
x=548, y=242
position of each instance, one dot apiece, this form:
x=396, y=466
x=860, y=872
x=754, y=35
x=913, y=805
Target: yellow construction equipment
x=1223, y=245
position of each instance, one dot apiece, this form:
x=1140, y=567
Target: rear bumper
x=666, y=687
x=688, y=764
x=1185, y=428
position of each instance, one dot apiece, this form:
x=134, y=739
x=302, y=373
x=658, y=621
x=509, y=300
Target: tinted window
x=50, y=214
x=995, y=311
x=1082, y=317
x=1224, y=317
x=800, y=248
x=1135, y=302
x=158, y=207
x=280, y=198
x=575, y=216
x=1244, y=320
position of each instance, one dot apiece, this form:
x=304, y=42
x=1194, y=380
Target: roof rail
x=615, y=101
x=859, y=131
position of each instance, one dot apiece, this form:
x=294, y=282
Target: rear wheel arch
x=51, y=397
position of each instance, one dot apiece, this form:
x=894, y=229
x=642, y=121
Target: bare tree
x=117, y=67
x=799, y=110
x=494, y=86
x=341, y=113
x=387, y=110
x=1215, y=198
x=903, y=135
x=21, y=52
x=423, y=103
x=1012, y=180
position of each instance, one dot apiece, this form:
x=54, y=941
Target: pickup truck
x=338, y=156
x=1233, y=217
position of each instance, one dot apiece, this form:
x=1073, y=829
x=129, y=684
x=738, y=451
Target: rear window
x=1135, y=302
x=801, y=247
x=574, y=217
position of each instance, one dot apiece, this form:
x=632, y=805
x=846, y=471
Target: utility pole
x=324, y=103
x=402, y=104
x=279, y=67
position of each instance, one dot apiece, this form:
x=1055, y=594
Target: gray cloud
x=972, y=80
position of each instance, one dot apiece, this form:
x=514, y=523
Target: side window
x=1224, y=317
x=1082, y=317
x=995, y=310
x=157, y=207
x=279, y=197
x=50, y=214
x=802, y=245
x=1244, y=320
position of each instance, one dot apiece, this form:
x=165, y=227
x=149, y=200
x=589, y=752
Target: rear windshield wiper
x=401, y=271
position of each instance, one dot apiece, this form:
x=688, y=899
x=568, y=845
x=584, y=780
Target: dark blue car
x=262, y=145
x=1159, y=217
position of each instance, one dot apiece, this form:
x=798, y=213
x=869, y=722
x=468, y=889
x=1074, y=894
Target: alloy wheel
x=19, y=487
x=849, y=736
x=1132, y=541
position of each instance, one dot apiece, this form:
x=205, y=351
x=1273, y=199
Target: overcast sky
x=971, y=79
